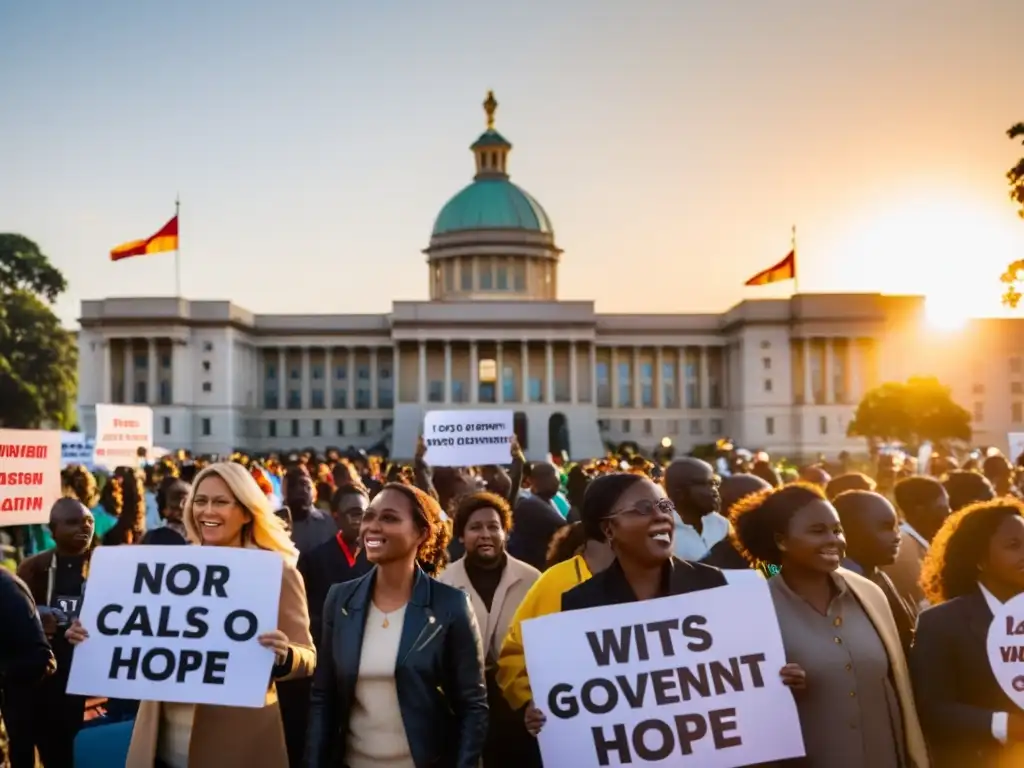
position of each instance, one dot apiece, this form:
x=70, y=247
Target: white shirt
x=1000, y=720
x=690, y=545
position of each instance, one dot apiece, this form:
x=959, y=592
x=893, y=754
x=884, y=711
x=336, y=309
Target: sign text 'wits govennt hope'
x=185, y=624
x=29, y=475
x=655, y=682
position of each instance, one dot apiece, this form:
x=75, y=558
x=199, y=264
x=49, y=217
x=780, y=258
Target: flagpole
x=796, y=267
x=177, y=249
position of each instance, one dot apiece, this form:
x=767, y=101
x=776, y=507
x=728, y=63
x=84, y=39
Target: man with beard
x=496, y=583
x=44, y=717
x=692, y=486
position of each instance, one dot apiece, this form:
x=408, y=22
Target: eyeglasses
x=647, y=508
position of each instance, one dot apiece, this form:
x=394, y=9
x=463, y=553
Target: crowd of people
x=399, y=641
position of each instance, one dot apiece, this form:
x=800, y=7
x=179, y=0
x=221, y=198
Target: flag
x=164, y=240
x=784, y=270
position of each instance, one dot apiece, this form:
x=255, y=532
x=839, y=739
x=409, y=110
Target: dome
x=492, y=203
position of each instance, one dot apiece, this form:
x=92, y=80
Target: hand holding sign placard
x=178, y=624
x=663, y=681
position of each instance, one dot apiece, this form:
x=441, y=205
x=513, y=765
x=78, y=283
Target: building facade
x=783, y=375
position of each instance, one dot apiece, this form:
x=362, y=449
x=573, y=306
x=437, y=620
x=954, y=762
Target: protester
x=924, y=505
x=693, y=488
x=170, y=501
x=311, y=527
x=400, y=679
x=975, y=563
x=227, y=509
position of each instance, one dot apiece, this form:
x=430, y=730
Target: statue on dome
x=490, y=107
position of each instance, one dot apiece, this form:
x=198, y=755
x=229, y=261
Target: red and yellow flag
x=784, y=270
x=164, y=240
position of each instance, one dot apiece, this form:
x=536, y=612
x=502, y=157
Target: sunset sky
x=673, y=143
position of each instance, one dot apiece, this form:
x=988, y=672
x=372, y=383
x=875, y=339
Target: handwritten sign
x=29, y=475
x=178, y=624
x=468, y=438
x=678, y=680
x=1006, y=648
x=121, y=430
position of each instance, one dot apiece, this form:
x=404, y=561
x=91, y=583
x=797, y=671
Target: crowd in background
x=878, y=572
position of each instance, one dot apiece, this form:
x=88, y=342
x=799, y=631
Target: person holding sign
x=974, y=565
x=400, y=680
x=846, y=664
x=227, y=509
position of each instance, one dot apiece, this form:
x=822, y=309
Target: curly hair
x=131, y=520
x=567, y=542
x=758, y=518
x=466, y=505
x=78, y=482
x=428, y=517
x=950, y=567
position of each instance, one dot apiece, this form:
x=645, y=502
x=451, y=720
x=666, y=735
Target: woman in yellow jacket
x=227, y=509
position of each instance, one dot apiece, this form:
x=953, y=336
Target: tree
x=1014, y=274
x=912, y=412
x=38, y=356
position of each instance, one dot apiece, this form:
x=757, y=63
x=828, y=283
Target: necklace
x=385, y=624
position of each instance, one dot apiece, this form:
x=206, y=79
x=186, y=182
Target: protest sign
x=29, y=475
x=1006, y=648
x=178, y=624
x=121, y=430
x=76, y=448
x=678, y=680
x=468, y=438
x=1016, y=443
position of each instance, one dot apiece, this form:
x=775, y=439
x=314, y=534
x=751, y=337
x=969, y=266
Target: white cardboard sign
x=1006, y=648
x=675, y=681
x=178, y=624
x=468, y=438
x=29, y=475
x=120, y=431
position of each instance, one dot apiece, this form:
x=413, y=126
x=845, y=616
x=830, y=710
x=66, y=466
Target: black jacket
x=955, y=690
x=534, y=522
x=321, y=568
x=609, y=587
x=439, y=675
x=25, y=655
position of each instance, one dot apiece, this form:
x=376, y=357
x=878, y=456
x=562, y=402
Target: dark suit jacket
x=25, y=655
x=609, y=587
x=954, y=687
x=321, y=568
x=439, y=675
x=724, y=555
x=534, y=522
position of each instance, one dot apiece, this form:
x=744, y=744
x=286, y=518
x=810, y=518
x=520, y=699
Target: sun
x=943, y=314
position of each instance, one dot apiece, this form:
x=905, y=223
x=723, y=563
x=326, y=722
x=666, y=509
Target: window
x=766, y=345
x=717, y=428
x=316, y=427
x=271, y=371
x=206, y=366
x=206, y=427
x=207, y=346
x=769, y=425
x=141, y=360
x=435, y=392
x=766, y=363
x=167, y=425
x=696, y=427
x=604, y=394
x=207, y=386
x=362, y=427
x=1016, y=388
x=486, y=275
x=487, y=371
x=1015, y=365
x=646, y=385
x=823, y=425
x=340, y=398
x=767, y=385
x=165, y=361
x=466, y=274
x=295, y=427
x=1016, y=413
x=673, y=426
x=271, y=428
x=625, y=390
x=603, y=425
x=978, y=389
x=502, y=277
x=339, y=427
x=165, y=393
x=449, y=276
x=979, y=412
x=295, y=373
x=668, y=384
x=140, y=392
x=294, y=400
x=316, y=371
x=508, y=384
x=536, y=390
x=386, y=424
x=648, y=427
x=458, y=393
x=627, y=426
x=316, y=398
x=518, y=277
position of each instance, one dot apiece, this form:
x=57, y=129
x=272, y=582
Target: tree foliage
x=912, y=412
x=38, y=356
x=1014, y=274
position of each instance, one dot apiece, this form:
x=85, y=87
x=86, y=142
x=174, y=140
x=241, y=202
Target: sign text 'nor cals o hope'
x=1006, y=648
x=29, y=475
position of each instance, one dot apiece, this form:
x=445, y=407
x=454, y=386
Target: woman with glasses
x=632, y=514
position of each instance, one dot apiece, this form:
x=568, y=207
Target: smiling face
x=813, y=539
x=641, y=527
x=388, y=530
x=218, y=515
x=484, y=537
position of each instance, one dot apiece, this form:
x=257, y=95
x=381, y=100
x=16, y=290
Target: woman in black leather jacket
x=400, y=674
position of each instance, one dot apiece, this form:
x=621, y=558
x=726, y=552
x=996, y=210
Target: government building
x=784, y=375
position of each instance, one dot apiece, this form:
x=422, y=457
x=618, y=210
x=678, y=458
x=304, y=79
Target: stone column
x=329, y=377
x=108, y=372
x=705, y=379
x=658, y=383
x=421, y=371
x=129, y=371
x=353, y=379
x=828, y=371
x=396, y=374
x=638, y=401
x=306, y=389
x=474, y=373
x=808, y=378
x=549, y=372
x=593, y=373
x=499, y=363
x=524, y=394
x=613, y=363
x=374, y=378
x=574, y=381
x=448, y=373
x=282, y=378
x=681, y=378
x=152, y=374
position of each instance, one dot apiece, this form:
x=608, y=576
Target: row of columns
x=306, y=388
x=828, y=369
x=128, y=376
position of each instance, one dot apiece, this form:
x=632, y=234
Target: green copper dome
x=492, y=203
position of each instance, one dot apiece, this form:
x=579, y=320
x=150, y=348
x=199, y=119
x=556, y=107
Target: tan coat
x=238, y=737
x=875, y=605
x=515, y=582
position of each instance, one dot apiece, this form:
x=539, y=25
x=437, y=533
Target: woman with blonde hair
x=226, y=508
